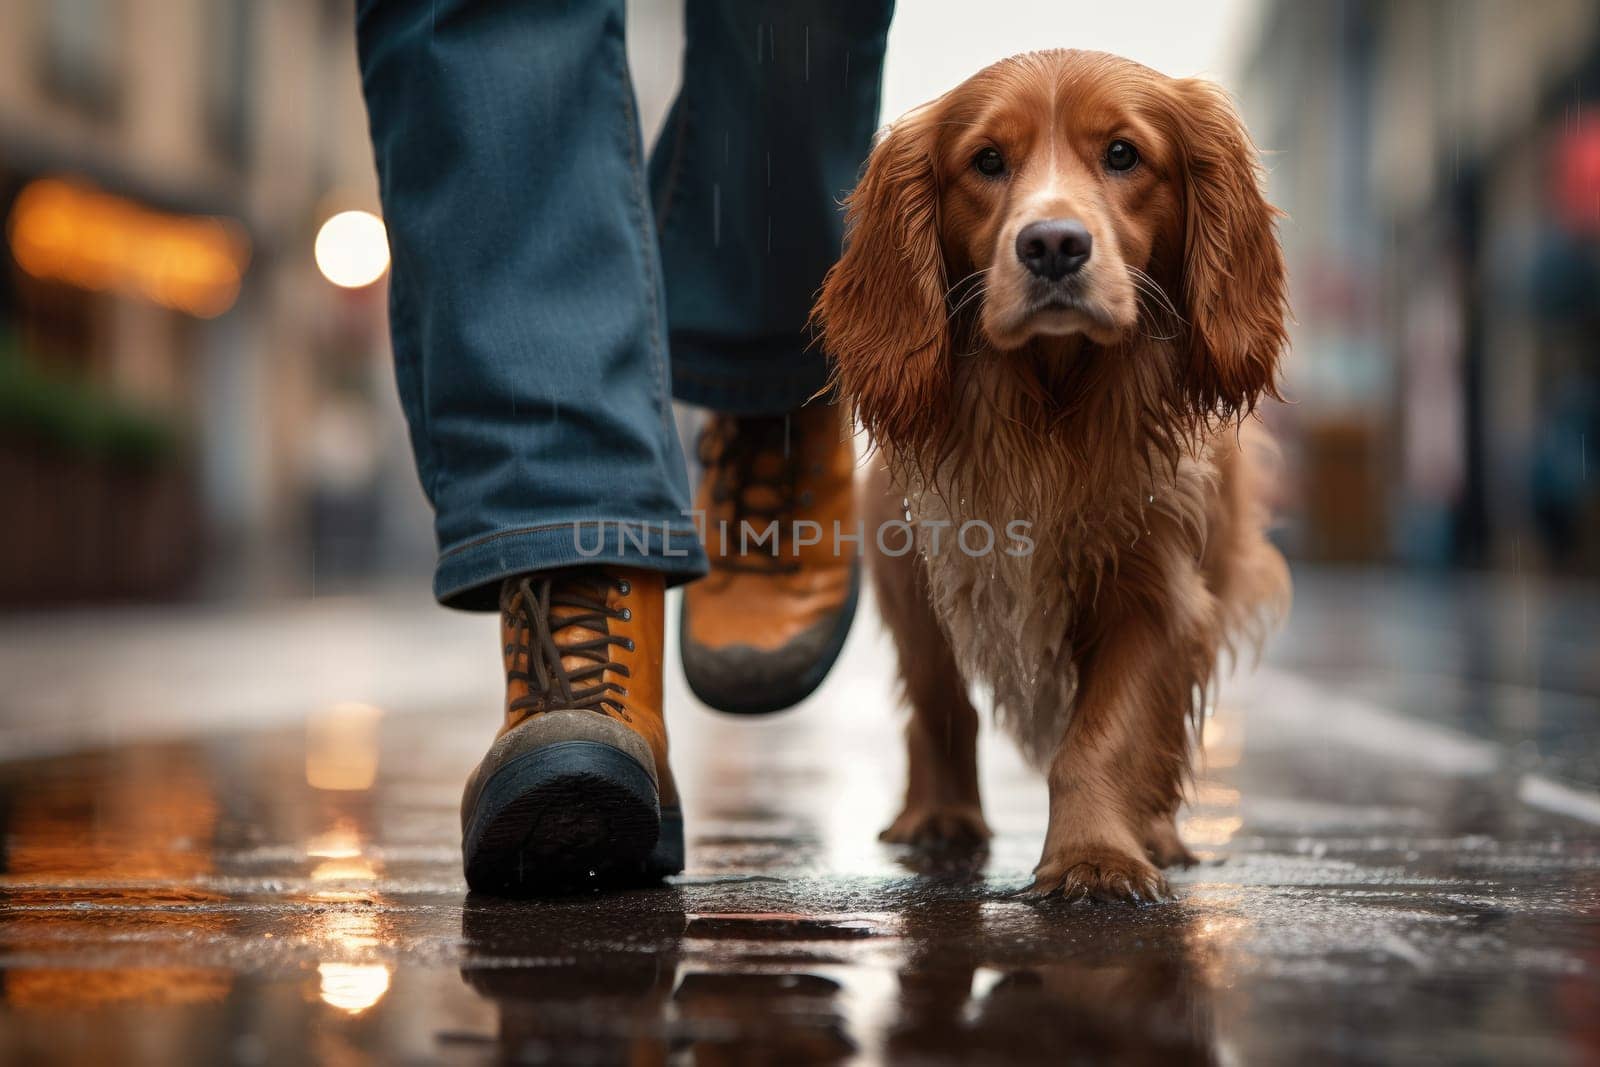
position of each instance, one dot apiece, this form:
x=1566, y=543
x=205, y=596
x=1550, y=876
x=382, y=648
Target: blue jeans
x=550, y=291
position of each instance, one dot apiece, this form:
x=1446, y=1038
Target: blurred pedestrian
x=551, y=292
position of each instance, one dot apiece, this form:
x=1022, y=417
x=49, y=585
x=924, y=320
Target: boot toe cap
x=747, y=680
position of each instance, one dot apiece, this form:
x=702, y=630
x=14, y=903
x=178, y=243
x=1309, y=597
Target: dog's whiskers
x=978, y=290
x=977, y=293
x=1150, y=286
x=970, y=277
x=1148, y=290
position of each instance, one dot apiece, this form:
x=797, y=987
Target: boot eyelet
x=629, y=645
x=626, y=614
x=623, y=587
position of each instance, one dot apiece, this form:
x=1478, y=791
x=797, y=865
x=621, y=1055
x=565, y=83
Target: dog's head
x=1068, y=199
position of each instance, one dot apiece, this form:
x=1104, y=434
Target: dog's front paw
x=939, y=826
x=1104, y=874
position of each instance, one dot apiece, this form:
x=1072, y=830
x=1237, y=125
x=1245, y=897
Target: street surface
x=233, y=838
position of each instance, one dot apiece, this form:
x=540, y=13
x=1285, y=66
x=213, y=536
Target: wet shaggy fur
x=1113, y=412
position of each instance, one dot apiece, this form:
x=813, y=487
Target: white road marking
x=1382, y=732
x=1537, y=791
x=1358, y=724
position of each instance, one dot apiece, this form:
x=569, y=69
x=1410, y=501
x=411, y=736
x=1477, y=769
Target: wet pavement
x=1397, y=817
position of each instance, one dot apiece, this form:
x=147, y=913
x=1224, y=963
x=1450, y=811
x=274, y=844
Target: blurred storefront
x=1440, y=164
x=186, y=404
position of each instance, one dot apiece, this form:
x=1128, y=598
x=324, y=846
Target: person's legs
x=769, y=132
x=775, y=118
x=526, y=302
x=530, y=343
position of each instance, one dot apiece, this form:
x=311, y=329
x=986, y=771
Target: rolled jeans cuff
x=468, y=575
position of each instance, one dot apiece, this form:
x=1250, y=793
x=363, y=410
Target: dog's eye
x=1120, y=155
x=989, y=162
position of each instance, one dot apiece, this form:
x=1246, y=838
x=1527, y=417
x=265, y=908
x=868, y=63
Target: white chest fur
x=1010, y=613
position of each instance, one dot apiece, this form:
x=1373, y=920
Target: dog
x=1060, y=300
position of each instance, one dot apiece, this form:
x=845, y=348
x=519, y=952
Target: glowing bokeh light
x=352, y=249
x=353, y=987
x=342, y=754
x=70, y=232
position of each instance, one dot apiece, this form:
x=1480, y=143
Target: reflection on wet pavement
x=1374, y=887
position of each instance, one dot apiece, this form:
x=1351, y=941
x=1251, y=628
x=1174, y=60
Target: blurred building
x=1440, y=164
x=184, y=400
x=187, y=407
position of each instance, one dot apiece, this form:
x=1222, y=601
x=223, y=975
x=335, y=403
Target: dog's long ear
x=881, y=316
x=1233, y=276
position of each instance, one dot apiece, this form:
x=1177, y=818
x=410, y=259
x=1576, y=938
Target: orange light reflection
x=69, y=232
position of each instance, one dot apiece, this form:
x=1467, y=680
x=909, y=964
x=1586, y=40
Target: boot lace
x=551, y=684
x=737, y=455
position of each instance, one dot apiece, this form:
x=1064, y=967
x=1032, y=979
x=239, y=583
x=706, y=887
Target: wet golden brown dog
x=1061, y=297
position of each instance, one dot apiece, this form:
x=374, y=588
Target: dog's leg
x=1118, y=772
x=1162, y=843
x=942, y=806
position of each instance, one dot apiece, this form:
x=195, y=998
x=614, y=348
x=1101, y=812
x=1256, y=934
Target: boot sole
x=566, y=817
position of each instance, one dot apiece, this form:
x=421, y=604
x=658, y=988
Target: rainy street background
x=233, y=726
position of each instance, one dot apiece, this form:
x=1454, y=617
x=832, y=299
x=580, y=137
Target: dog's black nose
x=1054, y=248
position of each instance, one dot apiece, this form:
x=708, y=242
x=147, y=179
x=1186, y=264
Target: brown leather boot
x=575, y=790
x=762, y=629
